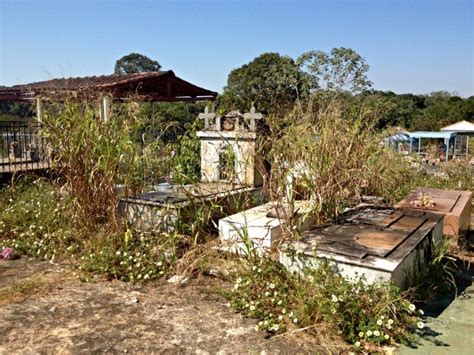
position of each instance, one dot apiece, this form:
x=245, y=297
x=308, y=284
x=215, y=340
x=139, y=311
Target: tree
x=135, y=63
x=271, y=81
x=343, y=69
x=442, y=109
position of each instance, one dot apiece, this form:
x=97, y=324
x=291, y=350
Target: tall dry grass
x=331, y=154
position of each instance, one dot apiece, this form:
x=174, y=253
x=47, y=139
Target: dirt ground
x=44, y=308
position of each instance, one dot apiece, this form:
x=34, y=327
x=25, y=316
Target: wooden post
x=39, y=109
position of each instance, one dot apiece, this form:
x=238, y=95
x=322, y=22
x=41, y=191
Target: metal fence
x=22, y=147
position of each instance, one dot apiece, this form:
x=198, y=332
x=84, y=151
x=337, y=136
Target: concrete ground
x=452, y=332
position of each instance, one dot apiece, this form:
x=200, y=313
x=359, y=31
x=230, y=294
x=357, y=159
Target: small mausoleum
x=228, y=148
x=228, y=170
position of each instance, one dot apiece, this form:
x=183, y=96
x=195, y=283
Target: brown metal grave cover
x=360, y=236
x=444, y=200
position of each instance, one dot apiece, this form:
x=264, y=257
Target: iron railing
x=22, y=147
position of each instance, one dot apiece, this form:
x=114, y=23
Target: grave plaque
x=455, y=205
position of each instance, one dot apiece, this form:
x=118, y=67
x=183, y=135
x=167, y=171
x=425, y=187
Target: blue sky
x=411, y=46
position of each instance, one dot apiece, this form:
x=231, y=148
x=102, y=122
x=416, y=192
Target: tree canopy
x=271, y=81
x=342, y=69
x=135, y=63
x=274, y=82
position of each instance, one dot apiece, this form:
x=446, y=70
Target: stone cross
x=206, y=116
x=252, y=116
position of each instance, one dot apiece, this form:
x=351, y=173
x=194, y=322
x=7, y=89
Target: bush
x=334, y=155
x=134, y=257
x=363, y=314
x=38, y=221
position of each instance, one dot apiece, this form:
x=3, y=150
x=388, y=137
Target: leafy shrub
x=38, y=221
x=363, y=314
x=134, y=257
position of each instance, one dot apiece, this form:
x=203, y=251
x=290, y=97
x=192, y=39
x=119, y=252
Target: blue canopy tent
x=398, y=141
x=448, y=139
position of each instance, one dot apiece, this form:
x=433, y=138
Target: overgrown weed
x=363, y=314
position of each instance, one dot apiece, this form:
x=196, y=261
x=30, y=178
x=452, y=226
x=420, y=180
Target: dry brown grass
x=32, y=287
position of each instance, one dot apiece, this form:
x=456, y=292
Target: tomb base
x=455, y=205
x=379, y=244
x=261, y=227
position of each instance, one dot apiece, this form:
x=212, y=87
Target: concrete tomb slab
x=162, y=208
x=261, y=227
x=455, y=205
x=379, y=243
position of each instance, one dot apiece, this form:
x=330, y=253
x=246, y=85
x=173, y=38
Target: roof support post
x=447, y=142
x=39, y=109
x=467, y=145
x=105, y=108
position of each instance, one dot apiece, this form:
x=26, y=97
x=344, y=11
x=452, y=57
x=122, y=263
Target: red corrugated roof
x=149, y=86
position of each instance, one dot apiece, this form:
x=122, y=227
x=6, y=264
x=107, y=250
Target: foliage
x=274, y=82
x=343, y=69
x=332, y=154
x=130, y=256
x=186, y=161
x=38, y=220
x=379, y=314
x=12, y=111
x=135, y=63
x=453, y=175
x=439, y=276
x=88, y=154
x=271, y=81
x=157, y=115
x=424, y=112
